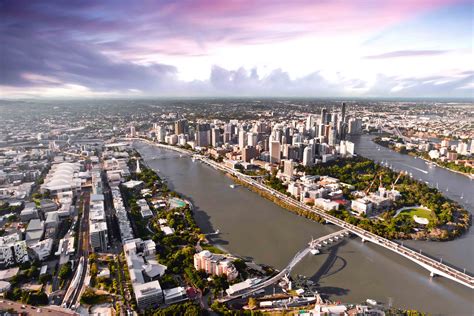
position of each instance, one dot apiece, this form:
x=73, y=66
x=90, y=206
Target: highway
x=436, y=268
x=76, y=286
x=34, y=310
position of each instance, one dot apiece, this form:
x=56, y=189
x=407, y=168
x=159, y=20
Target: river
x=251, y=226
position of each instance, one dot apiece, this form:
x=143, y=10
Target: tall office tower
x=261, y=127
x=252, y=139
x=296, y=139
x=278, y=135
x=462, y=148
x=287, y=134
x=228, y=128
x=332, y=136
x=227, y=137
x=215, y=137
x=355, y=126
x=133, y=132
x=308, y=156
x=284, y=150
x=288, y=167
x=275, y=151
x=334, y=118
x=346, y=148
x=181, y=127
x=324, y=111
x=343, y=111
x=340, y=129
x=160, y=133
x=350, y=148
x=242, y=139
x=328, y=118
x=265, y=142
x=320, y=131
x=203, y=134
x=248, y=153
x=309, y=122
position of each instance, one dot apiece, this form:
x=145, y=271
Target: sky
x=301, y=48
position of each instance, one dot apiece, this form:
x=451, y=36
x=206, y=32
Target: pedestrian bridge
x=314, y=244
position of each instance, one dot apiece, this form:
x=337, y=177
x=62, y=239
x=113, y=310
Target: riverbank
x=416, y=154
x=259, y=229
x=451, y=222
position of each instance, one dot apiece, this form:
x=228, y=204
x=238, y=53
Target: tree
x=252, y=303
x=65, y=271
x=45, y=278
x=94, y=269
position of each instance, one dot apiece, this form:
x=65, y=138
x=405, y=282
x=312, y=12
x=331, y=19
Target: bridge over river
x=435, y=267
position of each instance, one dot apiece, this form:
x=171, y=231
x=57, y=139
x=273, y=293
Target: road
x=34, y=310
x=73, y=293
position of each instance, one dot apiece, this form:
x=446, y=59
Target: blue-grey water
x=251, y=226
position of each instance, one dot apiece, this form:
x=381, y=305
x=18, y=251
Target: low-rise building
x=175, y=295
x=42, y=249
x=326, y=204
x=148, y=294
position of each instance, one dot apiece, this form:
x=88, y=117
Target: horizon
x=395, y=49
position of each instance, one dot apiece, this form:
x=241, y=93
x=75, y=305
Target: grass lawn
x=212, y=248
x=420, y=213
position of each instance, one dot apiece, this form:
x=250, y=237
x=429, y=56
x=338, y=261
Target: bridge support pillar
x=363, y=240
x=432, y=274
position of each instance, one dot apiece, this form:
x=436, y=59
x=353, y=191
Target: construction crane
x=396, y=180
x=371, y=184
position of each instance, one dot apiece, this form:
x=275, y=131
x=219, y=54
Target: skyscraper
x=181, y=127
x=343, y=112
x=215, y=137
x=308, y=156
x=275, y=151
x=242, y=139
x=324, y=112
x=288, y=167
x=203, y=135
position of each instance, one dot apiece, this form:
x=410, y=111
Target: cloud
x=28, y=59
x=407, y=53
x=120, y=47
x=435, y=86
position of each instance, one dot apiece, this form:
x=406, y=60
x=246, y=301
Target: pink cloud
x=193, y=27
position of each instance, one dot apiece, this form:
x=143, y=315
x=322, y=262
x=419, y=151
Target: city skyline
x=242, y=48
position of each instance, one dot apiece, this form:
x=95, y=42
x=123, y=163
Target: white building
x=175, y=295
x=62, y=177
x=326, y=204
x=308, y=156
x=42, y=249
x=148, y=294
x=361, y=206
